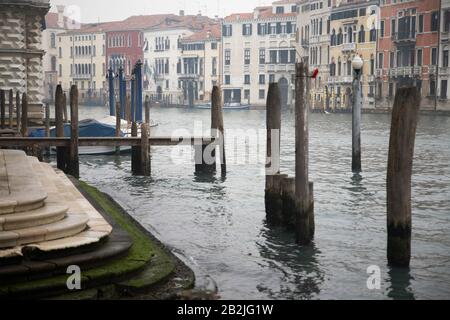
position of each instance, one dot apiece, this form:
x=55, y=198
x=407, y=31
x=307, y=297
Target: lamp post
x=357, y=65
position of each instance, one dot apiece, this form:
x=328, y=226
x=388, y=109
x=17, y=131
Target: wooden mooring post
x=24, y=124
x=145, y=165
x=18, y=109
x=73, y=165
x=304, y=207
x=135, y=152
x=61, y=152
x=2, y=107
x=11, y=109
x=405, y=115
x=147, y=110
x=217, y=126
x=118, y=124
x=274, y=179
x=65, y=115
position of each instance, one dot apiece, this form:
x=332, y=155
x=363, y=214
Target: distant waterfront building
x=303, y=22
x=353, y=32
x=408, y=50
x=82, y=61
x=259, y=48
x=55, y=23
x=199, y=67
x=21, y=50
x=163, y=52
x=444, y=59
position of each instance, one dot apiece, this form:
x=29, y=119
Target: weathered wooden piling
x=47, y=120
x=118, y=123
x=11, y=109
x=61, y=152
x=288, y=202
x=405, y=115
x=24, y=124
x=273, y=178
x=73, y=166
x=356, y=124
x=217, y=126
x=128, y=109
x=65, y=115
x=304, y=214
x=18, y=113
x=135, y=152
x=2, y=107
x=147, y=110
x=145, y=150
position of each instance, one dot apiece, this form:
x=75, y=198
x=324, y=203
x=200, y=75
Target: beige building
x=259, y=48
x=198, y=68
x=81, y=61
x=353, y=31
x=444, y=58
x=55, y=23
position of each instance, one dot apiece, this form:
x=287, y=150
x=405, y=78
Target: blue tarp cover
x=88, y=128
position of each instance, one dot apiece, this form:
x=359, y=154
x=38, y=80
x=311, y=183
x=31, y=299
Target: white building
x=259, y=48
x=303, y=22
x=444, y=57
x=163, y=53
x=55, y=23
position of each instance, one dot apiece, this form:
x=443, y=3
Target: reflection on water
x=218, y=224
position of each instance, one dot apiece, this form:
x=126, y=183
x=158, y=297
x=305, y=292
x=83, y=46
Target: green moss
x=143, y=254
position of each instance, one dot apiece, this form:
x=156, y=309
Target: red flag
x=315, y=73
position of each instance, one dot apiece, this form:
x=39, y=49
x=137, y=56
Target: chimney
x=181, y=13
x=61, y=16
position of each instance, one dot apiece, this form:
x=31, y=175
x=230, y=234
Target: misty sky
x=109, y=10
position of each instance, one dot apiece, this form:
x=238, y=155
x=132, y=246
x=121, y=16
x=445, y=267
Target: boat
x=88, y=128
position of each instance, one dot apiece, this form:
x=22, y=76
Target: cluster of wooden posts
x=16, y=107
x=290, y=200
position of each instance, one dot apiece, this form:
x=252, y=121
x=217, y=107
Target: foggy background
x=111, y=10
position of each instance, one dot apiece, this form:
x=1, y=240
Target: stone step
x=71, y=225
x=38, y=217
x=20, y=190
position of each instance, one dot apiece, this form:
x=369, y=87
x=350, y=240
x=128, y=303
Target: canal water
x=217, y=226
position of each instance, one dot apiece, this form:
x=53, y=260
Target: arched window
x=349, y=68
x=339, y=67
x=373, y=33
x=333, y=37
x=53, y=63
x=362, y=35
x=340, y=37
x=349, y=35
x=53, y=40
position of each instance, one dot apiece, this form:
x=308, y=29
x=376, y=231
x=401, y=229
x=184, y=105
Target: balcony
x=432, y=69
x=444, y=71
x=371, y=78
x=81, y=76
x=246, y=68
x=445, y=36
x=417, y=71
x=405, y=37
x=348, y=47
x=227, y=69
x=392, y=72
x=191, y=76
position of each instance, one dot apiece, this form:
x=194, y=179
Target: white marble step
x=20, y=189
x=71, y=225
x=38, y=217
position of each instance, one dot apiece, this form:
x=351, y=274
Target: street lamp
x=357, y=65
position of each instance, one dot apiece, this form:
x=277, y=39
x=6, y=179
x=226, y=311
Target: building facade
x=124, y=48
x=353, y=31
x=444, y=67
x=82, y=62
x=408, y=50
x=198, y=68
x=55, y=23
x=21, y=50
x=259, y=48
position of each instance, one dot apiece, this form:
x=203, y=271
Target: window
x=227, y=30
x=293, y=8
x=361, y=35
x=421, y=23
x=60, y=52
x=392, y=27
x=391, y=90
x=273, y=57
x=391, y=59
x=53, y=63
x=262, y=56
x=60, y=70
x=433, y=56
x=227, y=79
x=432, y=88
x=419, y=57
x=214, y=66
x=443, y=89
x=262, y=79
x=445, y=58
x=380, y=60
x=167, y=84
x=262, y=29
x=382, y=28
x=227, y=57
x=284, y=56
x=280, y=10
x=247, y=94
x=271, y=78
x=447, y=21
x=373, y=33
x=247, y=79
x=247, y=56
x=53, y=40
x=434, y=20
x=213, y=45
x=372, y=65
x=247, y=29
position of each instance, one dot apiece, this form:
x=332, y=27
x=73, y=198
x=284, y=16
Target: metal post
x=112, y=111
x=356, y=123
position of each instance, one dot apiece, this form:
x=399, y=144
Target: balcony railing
x=82, y=76
x=371, y=78
x=407, y=36
x=432, y=69
x=444, y=71
x=417, y=71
